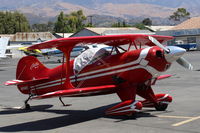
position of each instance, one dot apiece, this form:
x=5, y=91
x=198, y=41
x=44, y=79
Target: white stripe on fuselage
x=49, y=82
x=143, y=55
x=51, y=85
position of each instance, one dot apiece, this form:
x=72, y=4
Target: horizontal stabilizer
x=19, y=82
x=77, y=91
x=163, y=76
x=160, y=78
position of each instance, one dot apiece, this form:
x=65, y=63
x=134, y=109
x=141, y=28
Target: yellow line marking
x=189, y=119
x=178, y=117
x=186, y=121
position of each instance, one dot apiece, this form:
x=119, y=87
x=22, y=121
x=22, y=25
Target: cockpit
x=93, y=54
x=88, y=57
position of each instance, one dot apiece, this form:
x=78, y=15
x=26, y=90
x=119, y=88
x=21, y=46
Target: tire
x=161, y=106
x=27, y=107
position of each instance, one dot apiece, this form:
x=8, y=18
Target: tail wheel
x=27, y=107
x=161, y=106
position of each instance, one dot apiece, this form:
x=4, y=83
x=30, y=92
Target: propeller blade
x=183, y=62
x=157, y=43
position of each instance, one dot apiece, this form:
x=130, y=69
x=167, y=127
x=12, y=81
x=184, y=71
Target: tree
x=147, y=21
x=22, y=24
x=43, y=27
x=39, y=27
x=50, y=26
x=12, y=22
x=72, y=22
x=60, y=24
x=180, y=14
x=120, y=24
x=140, y=26
x=80, y=18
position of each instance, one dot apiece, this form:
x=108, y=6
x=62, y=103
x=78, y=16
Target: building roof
x=60, y=35
x=7, y=35
x=120, y=32
x=192, y=23
x=109, y=31
x=102, y=30
x=32, y=36
x=160, y=28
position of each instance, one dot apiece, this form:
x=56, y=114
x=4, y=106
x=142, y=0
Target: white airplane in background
x=3, y=46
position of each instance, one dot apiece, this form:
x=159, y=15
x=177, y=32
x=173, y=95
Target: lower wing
x=76, y=91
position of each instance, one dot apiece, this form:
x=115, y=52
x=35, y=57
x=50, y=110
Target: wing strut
x=67, y=51
x=63, y=61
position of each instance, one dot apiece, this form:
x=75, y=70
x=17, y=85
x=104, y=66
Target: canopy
x=88, y=57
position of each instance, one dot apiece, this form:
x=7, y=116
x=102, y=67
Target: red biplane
x=126, y=71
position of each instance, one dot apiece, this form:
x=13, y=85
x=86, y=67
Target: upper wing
x=111, y=40
x=77, y=91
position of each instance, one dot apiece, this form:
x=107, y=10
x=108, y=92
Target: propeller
x=173, y=53
x=157, y=43
x=183, y=62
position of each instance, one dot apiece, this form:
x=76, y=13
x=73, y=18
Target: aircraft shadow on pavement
x=70, y=117
x=11, y=110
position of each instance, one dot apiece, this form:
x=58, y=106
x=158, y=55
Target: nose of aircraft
x=174, y=53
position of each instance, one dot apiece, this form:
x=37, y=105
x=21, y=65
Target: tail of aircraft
x=30, y=71
x=30, y=68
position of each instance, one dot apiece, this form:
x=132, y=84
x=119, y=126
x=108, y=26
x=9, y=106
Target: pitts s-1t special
x=127, y=71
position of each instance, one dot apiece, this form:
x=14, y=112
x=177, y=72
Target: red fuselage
x=136, y=67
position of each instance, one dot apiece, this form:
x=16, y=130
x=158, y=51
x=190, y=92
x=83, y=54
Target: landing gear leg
x=60, y=98
x=26, y=105
x=159, y=101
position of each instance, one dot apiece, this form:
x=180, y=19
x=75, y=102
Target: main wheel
x=161, y=106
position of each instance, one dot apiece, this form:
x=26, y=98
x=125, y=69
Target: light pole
x=90, y=17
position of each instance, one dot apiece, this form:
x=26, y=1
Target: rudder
x=29, y=67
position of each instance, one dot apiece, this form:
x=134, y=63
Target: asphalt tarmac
x=86, y=115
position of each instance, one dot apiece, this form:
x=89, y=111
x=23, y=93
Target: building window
x=191, y=39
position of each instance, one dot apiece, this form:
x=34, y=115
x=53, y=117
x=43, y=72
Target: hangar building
x=187, y=34
x=90, y=31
